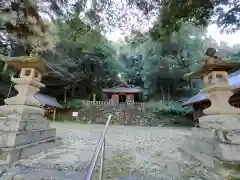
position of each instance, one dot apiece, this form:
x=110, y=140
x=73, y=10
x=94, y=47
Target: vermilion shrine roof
x=234, y=80
x=123, y=88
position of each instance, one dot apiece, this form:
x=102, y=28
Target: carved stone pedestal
x=24, y=132
x=217, y=143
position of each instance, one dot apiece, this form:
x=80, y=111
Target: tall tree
x=225, y=13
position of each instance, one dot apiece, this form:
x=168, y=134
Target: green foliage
x=173, y=13
x=171, y=113
x=160, y=66
x=76, y=104
x=75, y=45
x=22, y=22
x=172, y=108
x=83, y=52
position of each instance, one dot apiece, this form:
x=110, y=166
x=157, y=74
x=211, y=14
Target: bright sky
x=213, y=31
x=231, y=39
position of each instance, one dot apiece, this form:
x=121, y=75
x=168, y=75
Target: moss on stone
x=232, y=178
x=234, y=166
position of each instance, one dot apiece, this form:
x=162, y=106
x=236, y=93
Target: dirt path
x=131, y=151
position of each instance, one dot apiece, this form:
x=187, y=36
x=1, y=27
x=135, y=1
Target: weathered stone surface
x=209, y=142
x=14, y=139
x=217, y=139
x=22, y=118
x=124, y=113
x=15, y=173
x=14, y=154
x=26, y=88
x=228, y=152
x=234, y=136
x=25, y=131
x=219, y=95
x=200, y=145
x=220, y=121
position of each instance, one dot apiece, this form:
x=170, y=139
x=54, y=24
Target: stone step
x=28, y=173
x=16, y=173
x=11, y=155
x=14, y=139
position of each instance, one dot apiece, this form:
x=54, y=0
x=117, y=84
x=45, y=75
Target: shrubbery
x=171, y=113
x=76, y=104
x=172, y=108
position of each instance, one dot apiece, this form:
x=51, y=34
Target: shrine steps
x=28, y=143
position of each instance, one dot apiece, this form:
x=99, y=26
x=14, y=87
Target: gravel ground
x=149, y=152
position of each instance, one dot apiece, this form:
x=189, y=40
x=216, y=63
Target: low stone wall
x=124, y=113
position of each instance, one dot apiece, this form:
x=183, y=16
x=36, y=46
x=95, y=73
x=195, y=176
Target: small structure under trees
x=123, y=93
x=50, y=105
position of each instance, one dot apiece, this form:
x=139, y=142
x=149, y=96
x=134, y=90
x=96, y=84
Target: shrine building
x=123, y=93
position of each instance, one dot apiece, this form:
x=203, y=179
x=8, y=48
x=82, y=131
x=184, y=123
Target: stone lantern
x=217, y=87
x=217, y=141
x=24, y=129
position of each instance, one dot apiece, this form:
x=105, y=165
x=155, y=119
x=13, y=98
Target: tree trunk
x=190, y=83
x=163, y=95
x=5, y=67
x=73, y=89
x=65, y=97
x=168, y=92
x=65, y=94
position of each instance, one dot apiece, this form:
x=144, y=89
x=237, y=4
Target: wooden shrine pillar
x=54, y=114
x=115, y=98
x=130, y=98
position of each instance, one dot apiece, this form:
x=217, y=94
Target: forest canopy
x=163, y=40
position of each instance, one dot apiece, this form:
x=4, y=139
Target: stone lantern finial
x=211, y=52
x=212, y=58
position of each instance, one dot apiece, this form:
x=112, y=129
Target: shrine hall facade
x=200, y=101
x=123, y=93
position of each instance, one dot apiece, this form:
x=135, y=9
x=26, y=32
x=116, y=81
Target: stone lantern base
x=217, y=143
x=24, y=132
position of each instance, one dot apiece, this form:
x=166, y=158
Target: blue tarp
x=46, y=100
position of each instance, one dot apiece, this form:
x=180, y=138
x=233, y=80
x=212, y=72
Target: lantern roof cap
x=32, y=61
x=208, y=68
x=212, y=63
